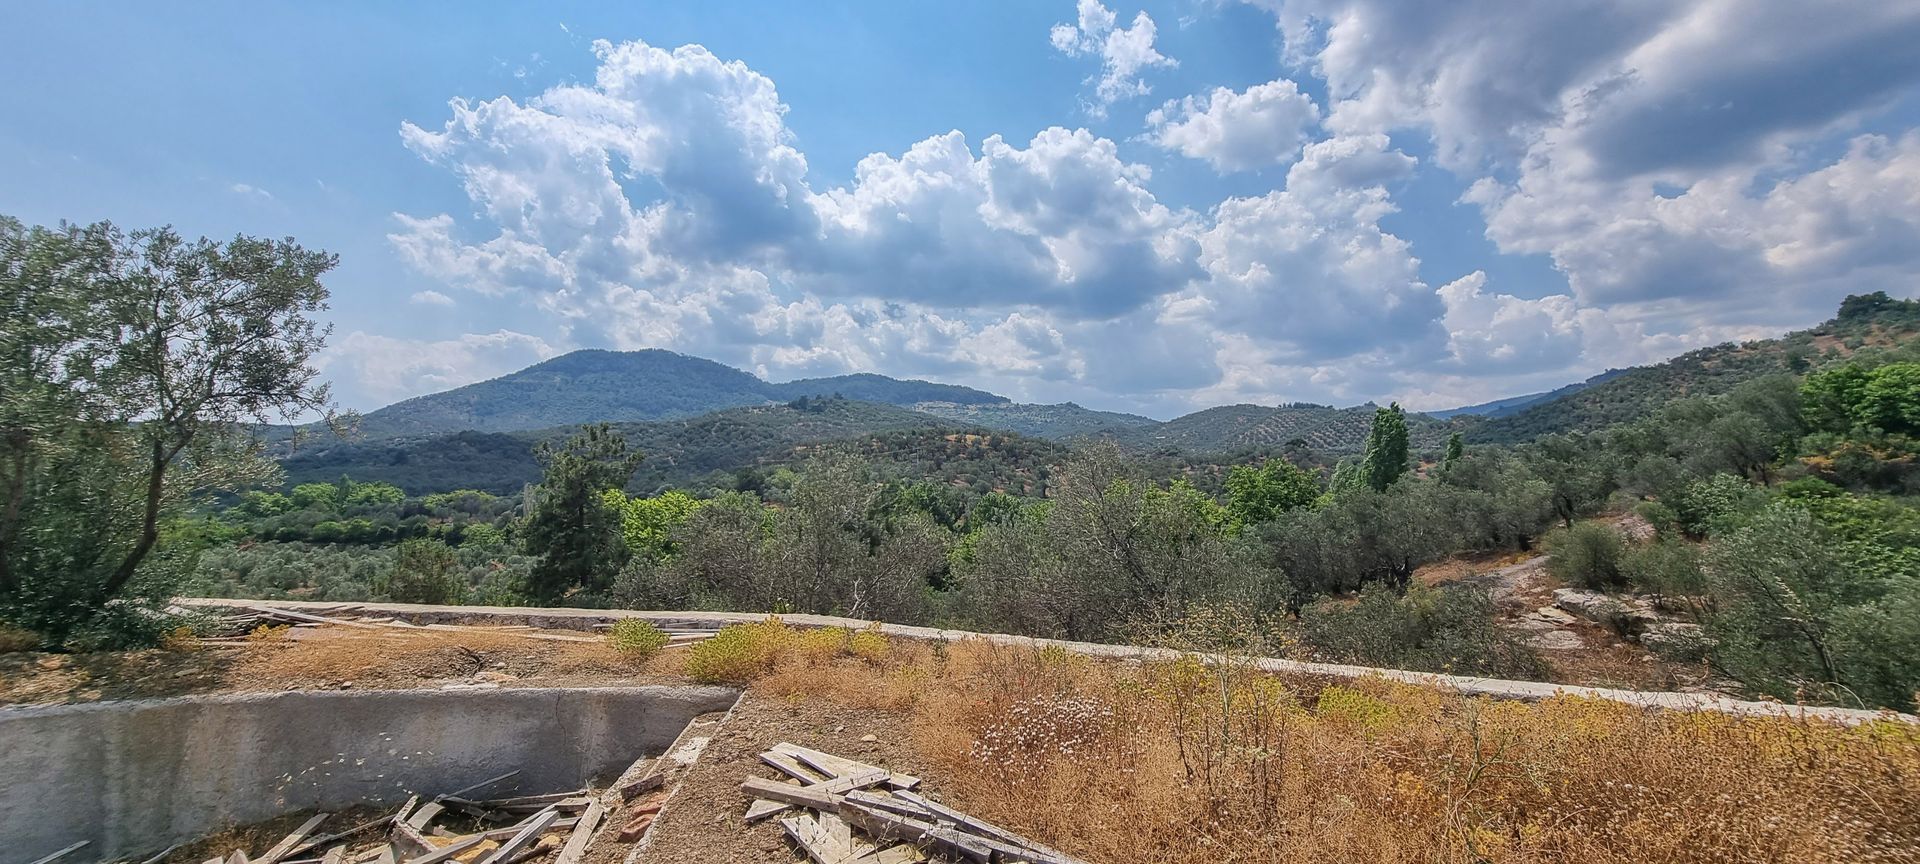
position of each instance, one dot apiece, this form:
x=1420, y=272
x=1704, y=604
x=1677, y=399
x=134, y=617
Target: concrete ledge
x=586, y=619
x=131, y=777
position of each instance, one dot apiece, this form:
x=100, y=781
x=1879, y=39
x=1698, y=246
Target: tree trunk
x=149, y=520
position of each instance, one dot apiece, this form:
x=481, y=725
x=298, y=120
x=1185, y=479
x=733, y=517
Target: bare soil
x=704, y=821
x=324, y=658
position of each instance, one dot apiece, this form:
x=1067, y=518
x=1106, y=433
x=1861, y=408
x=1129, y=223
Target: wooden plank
x=814, y=839
x=576, y=847
x=891, y=804
x=292, y=841
x=529, y=832
x=901, y=854
x=841, y=765
x=529, y=800
x=985, y=828
x=336, y=855
x=794, y=768
x=418, y=821
x=65, y=852
x=803, y=796
x=843, y=785
x=162, y=856
x=762, y=808
x=335, y=838
x=441, y=854
x=236, y=857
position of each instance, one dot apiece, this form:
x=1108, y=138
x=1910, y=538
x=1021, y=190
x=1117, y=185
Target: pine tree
x=569, y=522
x=1456, y=448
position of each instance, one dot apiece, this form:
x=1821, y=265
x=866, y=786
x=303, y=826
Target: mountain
x=1062, y=422
x=594, y=385
x=678, y=452
x=1242, y=427
x=1872, y=322
x=868, y=387
x=1516, y=404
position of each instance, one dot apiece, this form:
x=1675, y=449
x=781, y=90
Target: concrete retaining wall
x=587, y=619
x=132, y=777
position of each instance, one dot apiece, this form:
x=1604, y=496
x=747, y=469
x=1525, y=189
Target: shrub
x=1669, y=567
x=739, y=653
x=636, y=638
x=14, y=639
x=870, y=644
x=1588, y=555
x=1448, y=629
x=425, y=570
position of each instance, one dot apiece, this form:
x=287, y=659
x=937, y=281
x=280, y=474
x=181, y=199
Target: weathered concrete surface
x=133, y=776
x=586, y=619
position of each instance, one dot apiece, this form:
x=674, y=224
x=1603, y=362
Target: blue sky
x=1153, y=207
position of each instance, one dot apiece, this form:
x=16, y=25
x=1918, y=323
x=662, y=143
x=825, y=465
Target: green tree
x=569, y=523
x=1261, y=493
x=1387, y=450
x=648, y=524
x=425, y=570
x=1456, y=450
x=134, y=366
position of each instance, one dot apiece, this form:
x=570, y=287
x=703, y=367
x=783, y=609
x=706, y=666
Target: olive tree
x=134, y=368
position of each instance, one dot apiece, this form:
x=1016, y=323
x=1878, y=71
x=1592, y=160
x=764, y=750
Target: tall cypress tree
x=1387, y=448
x=1456, y=449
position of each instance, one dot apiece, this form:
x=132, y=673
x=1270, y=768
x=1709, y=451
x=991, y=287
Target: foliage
x=132, y=365
x=1791, y=619
x=1666, y=567
x=568, y=520
x=1589, y=555
x=739, y=653
x=637, y=638
x=1385, y=457
x=648, y=524
x=425, y=570
x=1448, y=629
x=1261, y=493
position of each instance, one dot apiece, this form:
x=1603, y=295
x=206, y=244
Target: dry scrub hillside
x=1182, y=762
x=1161, y=761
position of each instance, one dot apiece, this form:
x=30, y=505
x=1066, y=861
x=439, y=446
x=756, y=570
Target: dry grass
x=399, y=658
x=1182, y=762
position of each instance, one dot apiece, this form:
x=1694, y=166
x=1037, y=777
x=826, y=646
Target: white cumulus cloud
x=1124, y=52
x=1263, y=125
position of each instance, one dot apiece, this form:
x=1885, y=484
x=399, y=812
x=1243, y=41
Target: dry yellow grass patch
x=1185, y=762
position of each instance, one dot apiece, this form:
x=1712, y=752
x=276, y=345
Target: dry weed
x=1184, y=761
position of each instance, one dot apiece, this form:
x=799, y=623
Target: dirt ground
x=704, y=821
x=1521, y=583
x=326, y=658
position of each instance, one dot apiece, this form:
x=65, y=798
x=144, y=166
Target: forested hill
x=1242, y=427
x=678, y=452
x=593, y=386
x=1865, y=323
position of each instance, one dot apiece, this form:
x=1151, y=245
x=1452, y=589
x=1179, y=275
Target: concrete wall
x=134, y=776
x=587, y=619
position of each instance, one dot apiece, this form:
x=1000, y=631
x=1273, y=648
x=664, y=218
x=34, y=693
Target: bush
x=739, y=653
x=13, y=639
x=425, y=570
x=1448, y=629
x=1669, y=567
x=1588, y=555
x=636, y=638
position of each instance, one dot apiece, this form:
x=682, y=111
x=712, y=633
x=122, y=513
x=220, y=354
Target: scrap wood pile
x=233, y=626
x=509, y=831
x=824, y=799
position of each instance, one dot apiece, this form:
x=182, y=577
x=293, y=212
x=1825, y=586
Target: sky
x=1153, y=207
